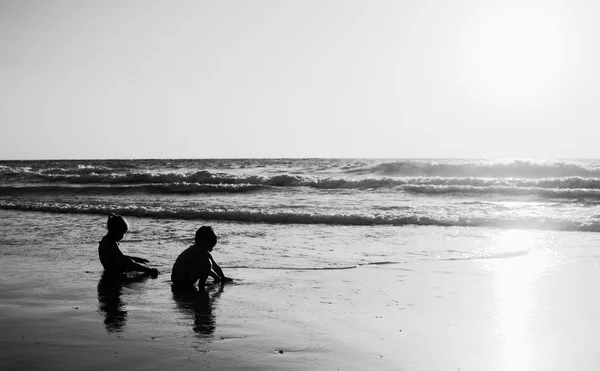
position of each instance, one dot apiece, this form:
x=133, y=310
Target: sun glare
x=514, y=284
x=517, y=54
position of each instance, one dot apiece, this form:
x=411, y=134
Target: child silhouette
x=196, y=263
x=111, y=257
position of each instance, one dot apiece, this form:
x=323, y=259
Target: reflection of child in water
x=196, y=263
x=198, y=304
x=112, y=259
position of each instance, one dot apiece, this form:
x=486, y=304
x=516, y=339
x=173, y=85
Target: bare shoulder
x=107, y=243
x=192, y=254
x=189, y=252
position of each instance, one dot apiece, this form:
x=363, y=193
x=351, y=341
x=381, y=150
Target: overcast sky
x=208, y=79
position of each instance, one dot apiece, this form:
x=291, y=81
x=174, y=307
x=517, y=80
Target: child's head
x=116, y=225
x=206, y=238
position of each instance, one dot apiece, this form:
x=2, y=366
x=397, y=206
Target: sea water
x=301, y=213
x=343, y=239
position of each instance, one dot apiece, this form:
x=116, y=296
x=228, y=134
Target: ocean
x=336, y=264
x=305, y=213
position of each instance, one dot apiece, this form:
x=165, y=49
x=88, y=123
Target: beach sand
x=496, y=314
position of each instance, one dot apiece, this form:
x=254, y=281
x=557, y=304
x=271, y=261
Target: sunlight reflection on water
x=515, y=283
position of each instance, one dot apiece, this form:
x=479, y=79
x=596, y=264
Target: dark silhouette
x=111, y=257
x=198, y=304
x=110, y=304
x=196, y=263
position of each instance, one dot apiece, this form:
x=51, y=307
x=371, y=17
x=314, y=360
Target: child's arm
x=134, y=266
x=128, y=263
x=153, y=272
x=123, y=256
x=218, y=272
x=136, y=259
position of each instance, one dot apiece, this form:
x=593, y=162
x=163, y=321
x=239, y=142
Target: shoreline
x=427, y=315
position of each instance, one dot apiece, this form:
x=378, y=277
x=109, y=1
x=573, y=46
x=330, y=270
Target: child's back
x=195, y=263
x=192, y=265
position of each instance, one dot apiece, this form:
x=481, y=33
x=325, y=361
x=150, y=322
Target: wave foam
x=252, y=216
x=567, y=188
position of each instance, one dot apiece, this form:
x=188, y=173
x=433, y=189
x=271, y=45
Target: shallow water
x=317, y=296
x=70, y=242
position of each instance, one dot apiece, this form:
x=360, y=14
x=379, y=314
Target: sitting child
x=196, y=263
x=111, y=257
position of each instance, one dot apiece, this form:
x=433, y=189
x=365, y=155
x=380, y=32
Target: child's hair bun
x=116, y=221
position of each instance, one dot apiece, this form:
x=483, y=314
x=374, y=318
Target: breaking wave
x=349, y=173
x=275, y=217
x=486, y=169
x=205, y=182
x=118, y=189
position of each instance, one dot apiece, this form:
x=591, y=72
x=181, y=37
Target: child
x=112, y=259
x=196, y=263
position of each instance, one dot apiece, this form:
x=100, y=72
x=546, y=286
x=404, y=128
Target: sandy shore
x=504, y=314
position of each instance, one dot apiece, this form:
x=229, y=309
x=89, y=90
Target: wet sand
x=505, y=314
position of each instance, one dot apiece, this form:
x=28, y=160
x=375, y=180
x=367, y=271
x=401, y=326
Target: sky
x=327, y=78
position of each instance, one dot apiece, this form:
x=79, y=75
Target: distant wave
x=168, y=188
x=564, y=188
x=486, y=169
x=253, y=216
x=142, y=177
x=324, y=173
x=80, y=169
x=506, y=191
